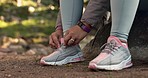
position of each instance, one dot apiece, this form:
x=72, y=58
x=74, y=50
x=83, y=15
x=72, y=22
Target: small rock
x=17, y=48
x=8, y=75
x=30, y=52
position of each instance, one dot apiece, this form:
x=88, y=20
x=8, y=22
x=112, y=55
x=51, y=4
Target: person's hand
x=55, y=39
x=74, y=35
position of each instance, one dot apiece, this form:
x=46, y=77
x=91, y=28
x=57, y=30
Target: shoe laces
x=60, y=50
x=109, y=47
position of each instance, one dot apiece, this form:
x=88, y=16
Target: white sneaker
x=63, y=56
x=115, y=56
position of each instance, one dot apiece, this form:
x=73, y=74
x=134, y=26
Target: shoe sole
x=124, y=64
x=76, y=58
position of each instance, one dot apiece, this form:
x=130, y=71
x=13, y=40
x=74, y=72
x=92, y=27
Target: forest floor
x=27, y=66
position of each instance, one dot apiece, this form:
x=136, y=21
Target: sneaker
x=63, y=56
x=115, y=56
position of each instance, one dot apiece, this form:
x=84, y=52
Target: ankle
x=123, y=41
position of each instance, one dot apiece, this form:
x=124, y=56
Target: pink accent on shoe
x=42, y=62
x=92, y=66
x=77, y=59
x=99, y=57
x=125, y=45
x=102, y=55
x=93, y=63
x=128, y=63
x=119, y=43
x=50, y=54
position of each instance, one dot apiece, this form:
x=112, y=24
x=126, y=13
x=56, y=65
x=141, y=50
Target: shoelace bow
x=109, y=47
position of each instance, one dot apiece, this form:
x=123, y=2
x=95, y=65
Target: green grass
x=27, y=28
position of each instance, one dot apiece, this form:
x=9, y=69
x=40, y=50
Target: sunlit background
x=28, y=18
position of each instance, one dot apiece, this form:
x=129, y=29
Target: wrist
x=84, y=26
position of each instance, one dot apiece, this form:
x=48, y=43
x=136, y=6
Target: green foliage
x=28, y=20
x=28, y=28
x=52, y=2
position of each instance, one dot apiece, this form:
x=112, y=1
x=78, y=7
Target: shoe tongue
x=114, y=40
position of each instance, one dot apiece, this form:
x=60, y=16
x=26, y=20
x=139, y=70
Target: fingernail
x=62, y=40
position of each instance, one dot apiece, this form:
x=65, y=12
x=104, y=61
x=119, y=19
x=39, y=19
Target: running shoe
x=63, y=55
x=114, y=56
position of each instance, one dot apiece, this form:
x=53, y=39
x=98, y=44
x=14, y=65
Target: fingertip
x=59, y=46
x=62, y=40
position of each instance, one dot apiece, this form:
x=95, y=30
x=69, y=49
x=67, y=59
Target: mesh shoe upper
x=62, y=53
x=114, y=52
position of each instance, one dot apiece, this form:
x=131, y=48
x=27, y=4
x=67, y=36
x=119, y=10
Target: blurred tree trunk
x=138, y=38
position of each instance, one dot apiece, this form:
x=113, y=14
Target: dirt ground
x=21, y=66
